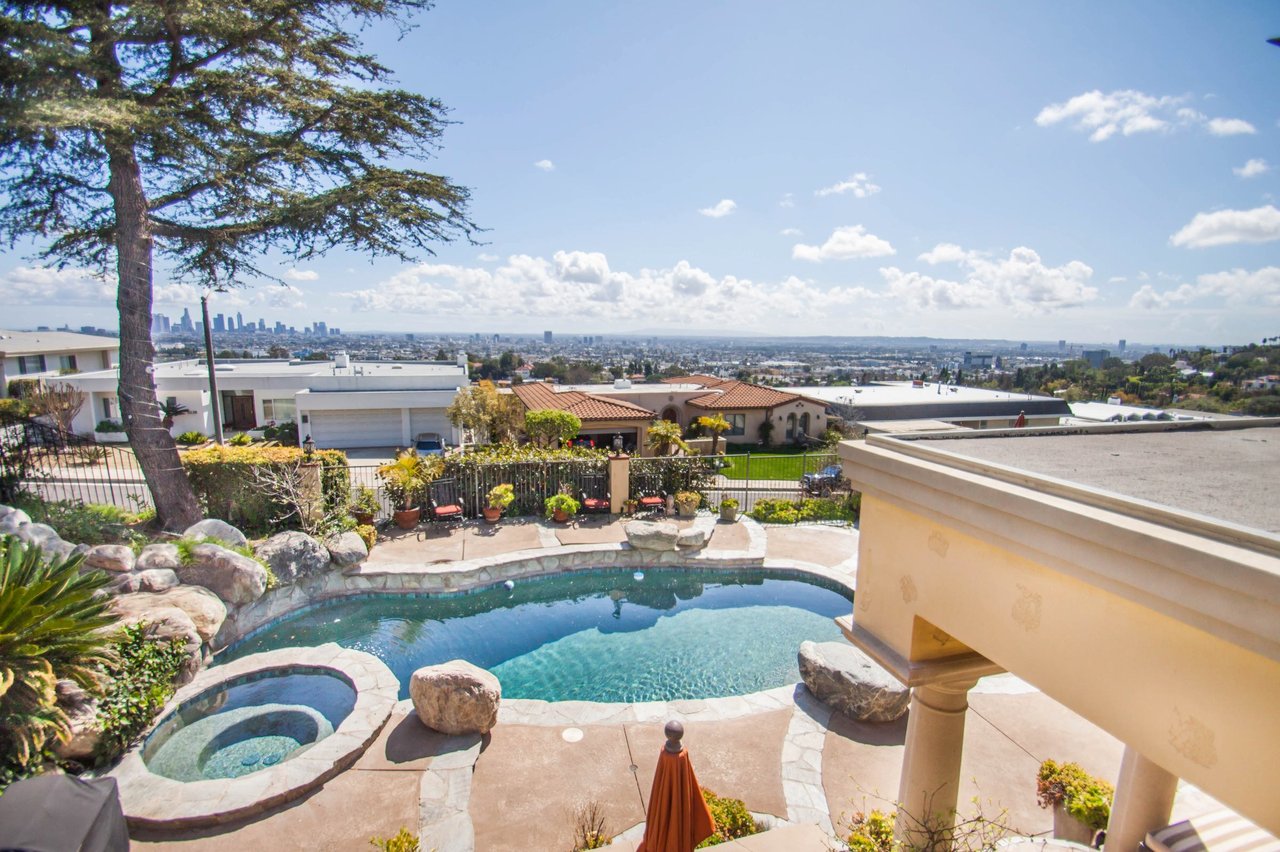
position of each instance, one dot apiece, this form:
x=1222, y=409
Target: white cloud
x=1230, y=126
x=581, y=266
x=788, y=200
x=1253, y=168
x=1128, y=112
x=1225, y=227
x=791, y=232
x=285, y=297
x=1021, y=281
x=44, y=285
x=723, y=208
x=844, y=243
x=487, y=258
x=302, y=275
x=859, y=185
x=1237, y=288
x=946, y=253
x=545, y=165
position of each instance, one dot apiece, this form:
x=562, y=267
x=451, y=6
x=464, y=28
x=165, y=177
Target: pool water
x=615, y=635
x=248, y=725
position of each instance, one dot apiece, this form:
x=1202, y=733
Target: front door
x=242, y=413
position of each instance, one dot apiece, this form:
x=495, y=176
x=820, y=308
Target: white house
x=341, y=404
x=44, y=354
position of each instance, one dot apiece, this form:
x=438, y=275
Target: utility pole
x=214, y=402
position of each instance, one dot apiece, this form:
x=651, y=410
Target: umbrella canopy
x=678, y=818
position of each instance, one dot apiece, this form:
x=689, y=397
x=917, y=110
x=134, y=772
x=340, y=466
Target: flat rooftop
x=903, y=393
x=264, y=368
x=1228, y=473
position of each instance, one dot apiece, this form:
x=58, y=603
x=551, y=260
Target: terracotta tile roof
x=735, y=394
x=588, y=407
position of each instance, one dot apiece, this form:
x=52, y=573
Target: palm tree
x=50, y=629
x=715, y=425
x=665, y=437
x=170, y=410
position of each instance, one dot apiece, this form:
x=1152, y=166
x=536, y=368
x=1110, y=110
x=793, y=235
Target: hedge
x=534, y=473
x=223, y=479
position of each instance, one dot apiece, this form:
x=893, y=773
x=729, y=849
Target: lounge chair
x=446, y=505
x=1218, y=831
x=591, y=495
x=653, y=502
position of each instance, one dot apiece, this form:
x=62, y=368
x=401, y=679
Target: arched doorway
x=672, y=414
x=791, y=427
x=804, y=425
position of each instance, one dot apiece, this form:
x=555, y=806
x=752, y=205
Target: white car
x=429, y=444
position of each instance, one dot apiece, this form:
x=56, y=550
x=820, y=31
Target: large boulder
x=456, y=697
x=11, y=520
x=347, y=549
x=216, y=530
x=848, y=681
x=652, y=535
x=205, y=609
x=691, y=539
x=151, y=580
x=235, y=578
x=163, y=555
x=46, y=538
x=110, y=557
x=169, y=622
x=82, y=715
x=292, y=555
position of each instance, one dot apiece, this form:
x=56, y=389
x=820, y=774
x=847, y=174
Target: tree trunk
x=157, y=454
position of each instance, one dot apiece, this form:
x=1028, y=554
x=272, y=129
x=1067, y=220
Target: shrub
x=13, y=408
x=109, y=426
x=1086, y=798
x=404, y=841
x=732, y=818
x=50, y=618
x=590, y=829
x=561, y=503
x=531, y=471
x=287, y=434
x=191, y=438
x=364, y=501
x=223, y=479
x=845, y=508
x=688, y=498
x=142, y=675
x=501, y=496
x=775, y=512
x=369, y=533
x=82, y=523
x=240, y=439
x=729, y=503
x=871, y=832
x=405, y=480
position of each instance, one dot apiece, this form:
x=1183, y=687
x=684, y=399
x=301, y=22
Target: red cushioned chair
x=653, y=502
x=446, y=505
x=592, y=495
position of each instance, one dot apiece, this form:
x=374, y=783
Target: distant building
x=979, y=360
x=1123, y=344
x=43, y=354
x=911, y=406
x=1062, y=345
x=1095, y=357
x=219, y=323
x=546, y=337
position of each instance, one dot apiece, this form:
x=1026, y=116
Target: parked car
x=823, y=482
x=429, y=444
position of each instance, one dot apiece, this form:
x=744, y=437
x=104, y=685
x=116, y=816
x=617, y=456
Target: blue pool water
x=592, y=636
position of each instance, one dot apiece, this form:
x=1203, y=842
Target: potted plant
x=404, y=481
x=364, y=505
x=729, y=509
x=629, y=507
x=1081, y=803
x=170, y=410
x=687, y=503
x=499, y=498
x=561, y=507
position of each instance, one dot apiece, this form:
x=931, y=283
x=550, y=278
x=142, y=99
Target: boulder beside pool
x=848, y=681
x=652, y=535
x=456, y=697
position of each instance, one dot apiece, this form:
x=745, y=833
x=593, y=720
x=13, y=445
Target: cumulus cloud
x=1021, y=281
x=722, y=208
x=844, y=243
x=1225, y=227
x=859, y=186
x=545, y=165
x=791, y=232
x=1229, y=126
x=581, y=266
x=1238, y=288
x=487, y=258
x=1253, y=168
x=1128, y=112
x=41, y=285
x=946, y=253
x=285, y=297
x=302, y=275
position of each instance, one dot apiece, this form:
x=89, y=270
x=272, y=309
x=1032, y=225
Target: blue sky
x=1086, y=170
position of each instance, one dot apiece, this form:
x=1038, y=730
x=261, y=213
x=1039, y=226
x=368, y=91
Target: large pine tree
x=208, y=133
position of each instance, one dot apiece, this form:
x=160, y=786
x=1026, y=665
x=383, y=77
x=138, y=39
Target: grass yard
x=774, y=465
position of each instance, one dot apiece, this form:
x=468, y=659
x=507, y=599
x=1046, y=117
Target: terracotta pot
x=407, y=519
x=364, y=519
x=491, y=515
x=561, y=516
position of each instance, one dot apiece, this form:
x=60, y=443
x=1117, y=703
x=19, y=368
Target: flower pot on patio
x=560, y=516
x=728, y=513
x=364, y=519
x=491, y=514
x=407, y=519
x=1068, y=827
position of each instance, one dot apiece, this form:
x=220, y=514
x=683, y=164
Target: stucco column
x=619, y=481
x=930, y=782
x=1144, y=800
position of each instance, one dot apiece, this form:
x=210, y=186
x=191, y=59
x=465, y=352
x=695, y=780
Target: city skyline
x=1022, y=173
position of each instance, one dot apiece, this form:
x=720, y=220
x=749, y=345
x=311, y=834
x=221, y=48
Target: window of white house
x=280, y=410
x=30, y=363
x=108, y=408
x=737, y=424
x=67, y=362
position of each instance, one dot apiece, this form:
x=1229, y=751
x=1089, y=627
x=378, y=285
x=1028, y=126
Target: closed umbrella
x=678, y=818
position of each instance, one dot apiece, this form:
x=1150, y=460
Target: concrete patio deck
x=780, y=751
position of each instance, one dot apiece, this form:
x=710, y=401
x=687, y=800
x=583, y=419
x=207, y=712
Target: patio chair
x=592, y=495
x=1212, y=832
x=446, y=505
x=654, y=502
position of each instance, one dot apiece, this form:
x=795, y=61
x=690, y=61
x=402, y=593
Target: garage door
x=340, y=430
x=429, y=420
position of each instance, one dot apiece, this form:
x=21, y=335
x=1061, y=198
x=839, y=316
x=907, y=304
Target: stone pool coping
x=153, y=801
x=462, y=576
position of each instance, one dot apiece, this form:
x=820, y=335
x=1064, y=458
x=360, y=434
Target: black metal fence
x=766, y=476
x=40, y=459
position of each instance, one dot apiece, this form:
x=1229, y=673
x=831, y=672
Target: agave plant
x=51, y=621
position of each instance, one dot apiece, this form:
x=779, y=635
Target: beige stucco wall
x=1168, y=640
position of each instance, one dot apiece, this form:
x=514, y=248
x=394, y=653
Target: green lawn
x=775, y=465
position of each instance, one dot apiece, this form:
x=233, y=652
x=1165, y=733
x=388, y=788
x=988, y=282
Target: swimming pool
x=658, y=634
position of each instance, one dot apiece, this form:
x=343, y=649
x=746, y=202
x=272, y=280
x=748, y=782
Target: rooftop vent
x=341, y=360
x=621, y=384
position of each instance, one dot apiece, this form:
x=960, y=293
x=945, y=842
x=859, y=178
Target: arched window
x=670, y=413
x=804, y=424
x=791, y=426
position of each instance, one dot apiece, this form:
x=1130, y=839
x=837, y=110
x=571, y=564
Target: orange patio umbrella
x=678, y=818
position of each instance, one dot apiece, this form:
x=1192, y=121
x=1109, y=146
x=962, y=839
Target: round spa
x=257, y=732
